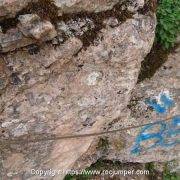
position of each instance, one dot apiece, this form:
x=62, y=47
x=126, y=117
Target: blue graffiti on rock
x=161, y=108
x=162, y=133
x=166, y=136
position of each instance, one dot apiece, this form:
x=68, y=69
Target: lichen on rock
x=72, y=75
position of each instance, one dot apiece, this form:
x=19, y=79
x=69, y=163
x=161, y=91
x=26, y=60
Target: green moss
x=166, y=174
x=150, y=167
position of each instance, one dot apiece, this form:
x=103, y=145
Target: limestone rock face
x=68, y=90
x=152, y=100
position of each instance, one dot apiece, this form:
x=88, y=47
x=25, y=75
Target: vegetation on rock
x=168, y=15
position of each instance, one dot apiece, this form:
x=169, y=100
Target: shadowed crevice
x=153, y=61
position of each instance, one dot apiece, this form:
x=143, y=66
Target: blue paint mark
x=144, y=135
x=175, y=124
x=166, y=103
x=164, y=137
x=173, y=131
x=176, y=121
x=167, y=135
x=157, y=107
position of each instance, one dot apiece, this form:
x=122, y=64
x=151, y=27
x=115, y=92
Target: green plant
x=168, y=27
x=167, y=175
x=151, y=168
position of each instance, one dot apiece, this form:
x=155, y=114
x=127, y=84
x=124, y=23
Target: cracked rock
x=165, y=83
x=135, y=5
x=70, y=90
x=73, y=6
x=32, y=26
x=31, y=29
x=9, y=8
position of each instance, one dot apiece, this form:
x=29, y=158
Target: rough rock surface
x=72, y=6
x=32, y=26
x=165, y=82
x=118, y=146
x=31, y=29
x=68, y=90
x=10, y=8
x=18, y=30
